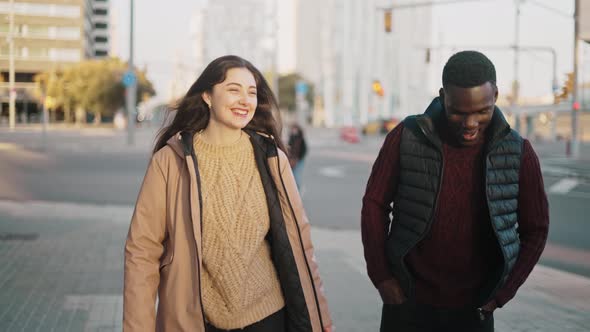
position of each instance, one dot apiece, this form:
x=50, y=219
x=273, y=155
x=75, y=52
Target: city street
x=66, y=199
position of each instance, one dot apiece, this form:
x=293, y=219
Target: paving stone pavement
x=61, y=269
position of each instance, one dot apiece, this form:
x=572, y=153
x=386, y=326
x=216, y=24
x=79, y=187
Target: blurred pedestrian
x=470, y=214
x=297, y=148
x=219, y=233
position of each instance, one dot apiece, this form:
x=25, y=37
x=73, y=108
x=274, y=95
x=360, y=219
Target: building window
x=100, y=11
x=101, y=39
x=101, y=53
x=38, y=52
x=68, y=33
x=65, y=54
x=53, y=32
x=100, y=25
x=39, y=9
x=38, y=30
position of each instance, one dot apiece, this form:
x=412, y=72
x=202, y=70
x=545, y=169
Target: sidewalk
x=61, y=269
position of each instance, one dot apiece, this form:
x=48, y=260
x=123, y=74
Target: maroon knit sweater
x=453, y=262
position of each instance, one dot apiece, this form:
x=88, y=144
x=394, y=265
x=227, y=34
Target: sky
x=492, y=24
x=161, y=32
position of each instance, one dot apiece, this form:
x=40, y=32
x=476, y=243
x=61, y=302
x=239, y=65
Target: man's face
x=469, y=111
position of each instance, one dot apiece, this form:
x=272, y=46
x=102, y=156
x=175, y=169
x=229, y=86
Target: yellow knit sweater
x=240, y=285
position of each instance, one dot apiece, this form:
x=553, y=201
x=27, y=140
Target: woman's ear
x=206, y=98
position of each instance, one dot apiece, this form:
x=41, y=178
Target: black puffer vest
x=421, y=169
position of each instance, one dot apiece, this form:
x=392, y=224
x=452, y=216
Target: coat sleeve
x=305, y=229
x=143, y=249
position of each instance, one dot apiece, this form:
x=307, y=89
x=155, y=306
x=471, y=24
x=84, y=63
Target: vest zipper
x=440, y=179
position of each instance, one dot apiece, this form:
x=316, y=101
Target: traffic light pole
x=575, y=148
x=131, y=88
x=515, y=83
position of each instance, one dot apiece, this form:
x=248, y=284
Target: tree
x=287, y=91
x=93, y=85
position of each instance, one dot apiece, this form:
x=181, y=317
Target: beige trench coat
x=163, y=247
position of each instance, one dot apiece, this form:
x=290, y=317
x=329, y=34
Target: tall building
x=97, y=28
x=48, y=34
x=254, y=38
x=246, y=39
x=213, y=33
x=343, y=49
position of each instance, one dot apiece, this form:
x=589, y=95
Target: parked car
x=381, y=126
x=349, y=134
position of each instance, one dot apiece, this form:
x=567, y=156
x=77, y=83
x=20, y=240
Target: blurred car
x=381, y=126
x=349, y=134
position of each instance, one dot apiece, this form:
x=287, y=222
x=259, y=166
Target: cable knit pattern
x=240, y=285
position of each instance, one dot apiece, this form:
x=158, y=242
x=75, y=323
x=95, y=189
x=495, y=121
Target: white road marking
x=332, y=172
x=563, y=186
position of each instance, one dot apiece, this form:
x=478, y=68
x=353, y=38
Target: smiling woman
x=232, y=105
x=227, y=82
x=219, y=232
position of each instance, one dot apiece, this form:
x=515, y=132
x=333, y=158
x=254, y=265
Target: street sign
x=301, y=88
x=129, y=78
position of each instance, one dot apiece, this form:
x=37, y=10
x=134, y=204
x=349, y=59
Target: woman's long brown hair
x=192, y=113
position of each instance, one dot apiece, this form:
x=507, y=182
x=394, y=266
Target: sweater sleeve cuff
x=501, y=299
x=377, y=277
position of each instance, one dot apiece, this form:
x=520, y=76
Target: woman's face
x=232, y=103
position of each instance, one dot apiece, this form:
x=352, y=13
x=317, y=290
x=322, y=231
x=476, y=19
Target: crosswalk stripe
x=563, y=186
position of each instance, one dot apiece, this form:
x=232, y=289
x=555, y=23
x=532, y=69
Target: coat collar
x=434, y=115
x=182, y=142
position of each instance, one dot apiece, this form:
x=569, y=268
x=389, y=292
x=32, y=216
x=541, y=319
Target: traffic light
x=566, y=89
x=576, y=106
x=378, y=88
x=388, y=20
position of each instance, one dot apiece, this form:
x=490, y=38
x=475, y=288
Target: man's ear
x=495, y=93
x=441, y=95
x=206, y=98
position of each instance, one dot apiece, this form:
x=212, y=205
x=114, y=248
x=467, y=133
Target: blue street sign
x=129, y=78
x=301, y=88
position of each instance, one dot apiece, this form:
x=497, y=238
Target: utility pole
x=515, y=83
x=11, y=88
x=275, y=69
x=131, y=84
x=575, y=148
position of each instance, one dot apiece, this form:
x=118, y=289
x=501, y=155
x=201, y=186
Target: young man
x=470, y=214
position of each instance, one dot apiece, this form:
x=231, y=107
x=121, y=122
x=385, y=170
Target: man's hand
x=330, y=328
x=490, y=306
x=391, y=292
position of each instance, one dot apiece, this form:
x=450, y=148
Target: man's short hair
x=467, y=69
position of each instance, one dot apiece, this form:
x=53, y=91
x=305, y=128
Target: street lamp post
x=515, y=84
x=275, y=26
x=131, y=93
x=11, y=88
x=575, y=148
